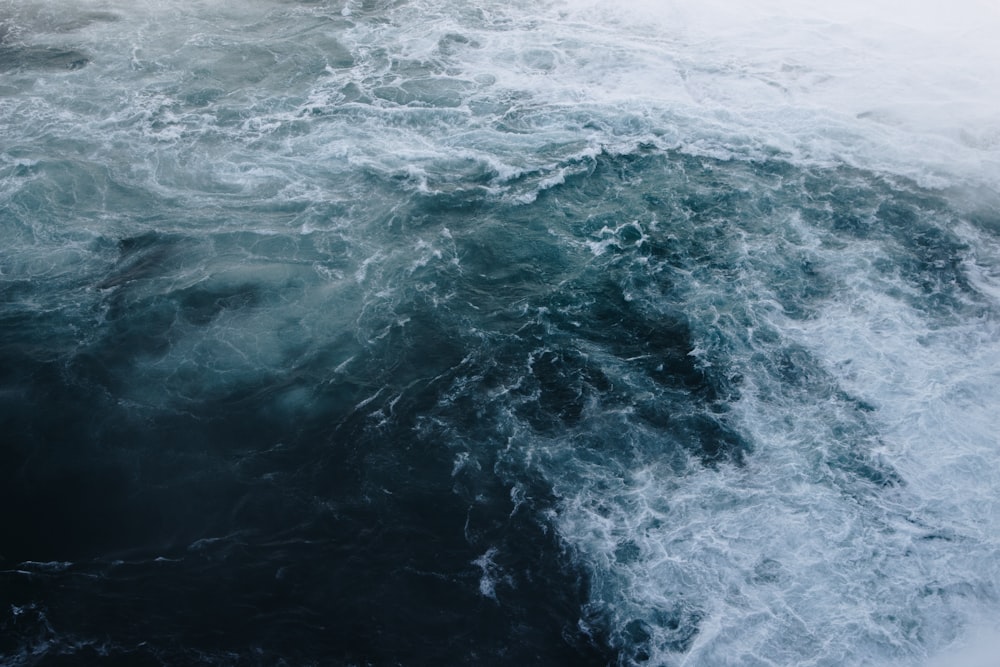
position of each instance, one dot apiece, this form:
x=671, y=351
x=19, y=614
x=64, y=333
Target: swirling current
x=423, y=332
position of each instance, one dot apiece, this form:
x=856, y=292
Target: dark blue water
x=378, y=333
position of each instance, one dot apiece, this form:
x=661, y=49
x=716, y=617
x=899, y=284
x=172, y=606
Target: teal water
x=423, y=333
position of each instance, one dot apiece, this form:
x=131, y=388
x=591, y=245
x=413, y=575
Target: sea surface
x=469, y=332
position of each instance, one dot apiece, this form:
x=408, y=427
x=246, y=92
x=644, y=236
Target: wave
x=417, y=332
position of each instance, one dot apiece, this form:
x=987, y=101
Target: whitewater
x=426, y=332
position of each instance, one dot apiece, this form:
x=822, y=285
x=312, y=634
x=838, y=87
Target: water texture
x=422, y=332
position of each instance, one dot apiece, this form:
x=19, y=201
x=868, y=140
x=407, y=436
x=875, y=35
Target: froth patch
x=979, y=649
x=929, y=76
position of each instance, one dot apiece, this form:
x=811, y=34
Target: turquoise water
x=423, y=333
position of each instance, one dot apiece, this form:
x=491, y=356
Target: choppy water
x=478, y=333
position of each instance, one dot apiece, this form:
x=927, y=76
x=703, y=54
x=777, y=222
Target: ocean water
x=428, y=332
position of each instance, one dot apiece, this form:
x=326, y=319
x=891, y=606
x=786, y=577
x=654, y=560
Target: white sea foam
x=909, y=91
x=789, y=560
x=891, y=85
